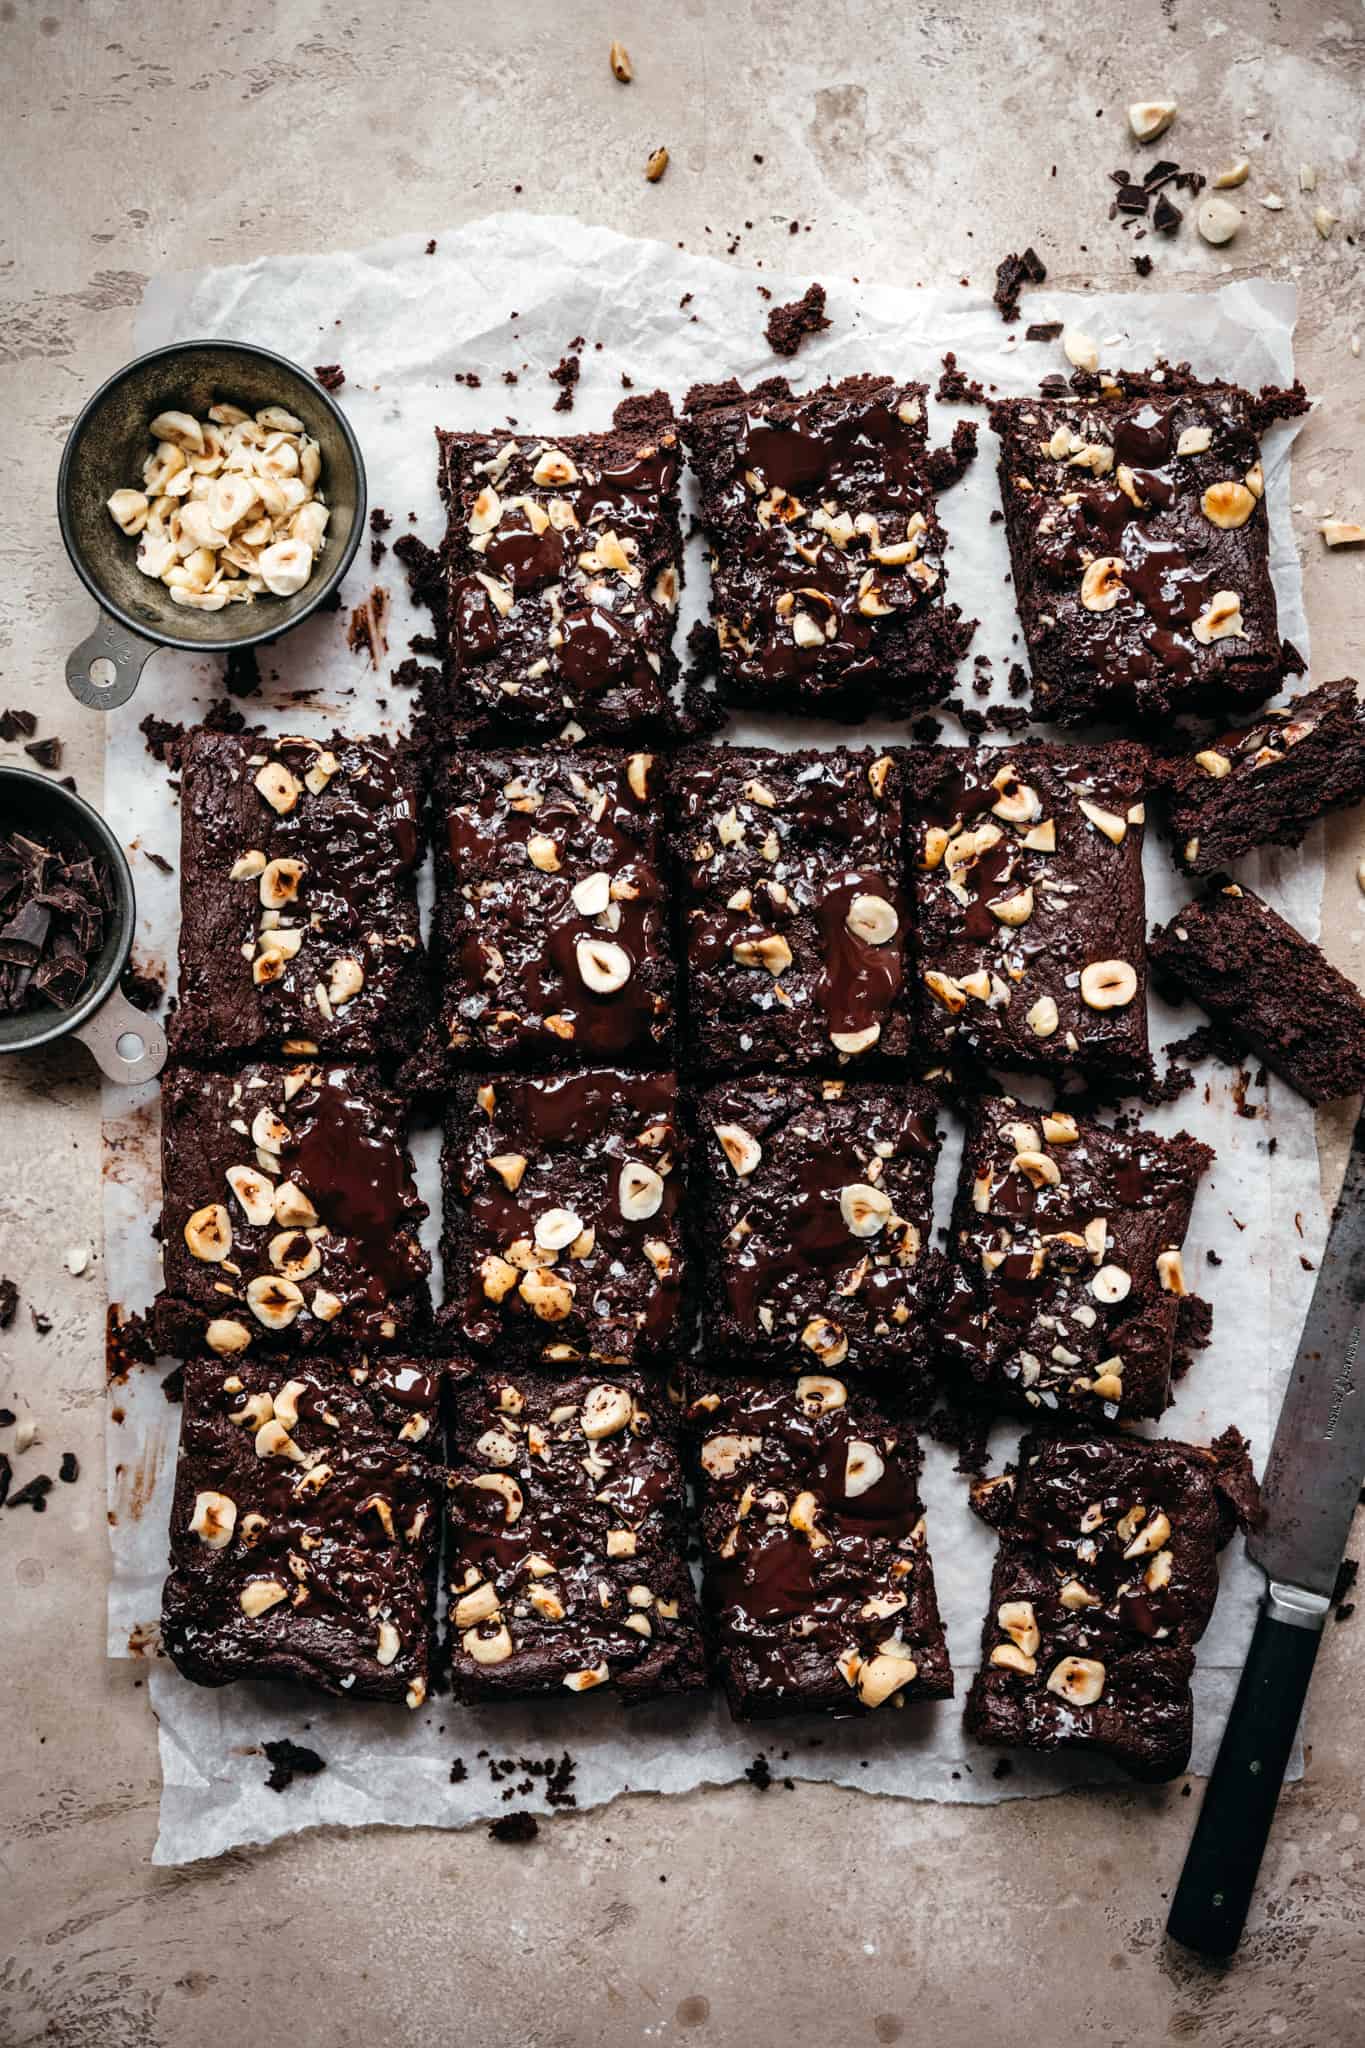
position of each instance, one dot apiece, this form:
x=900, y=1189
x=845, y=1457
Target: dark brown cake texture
x=816, y=1577
x=1030, y=908
x=1067, y=1274
x=551, y=934
x=793, y=906
x=828, y=575
x=563, y=565
x=1141, y=549
x=1270, y=987
x=815, y=1218
x=305, y=1525
x=298, y=897
x=1264, y=784
x=567, y=1543
x=290, y=1211
x=562, y=1238
x=1104, y=1581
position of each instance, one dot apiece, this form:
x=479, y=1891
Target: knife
x=1311, y=1487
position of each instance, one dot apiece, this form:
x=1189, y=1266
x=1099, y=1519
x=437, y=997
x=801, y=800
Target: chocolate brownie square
x=566, y=1538
x=298, y=897
x=794, y=907
x=1030, y=908
x=1105, y=1580
x=1269, y=987
x=1264, y=784
x=1067, y=1276
x=551, y=937
x=563, y=1239
x=1141, y=550
x=816, y=1578
x=815, y=1219
x=306, y=1524
x=828, y=572
x=563, y=565
x=290, y=1211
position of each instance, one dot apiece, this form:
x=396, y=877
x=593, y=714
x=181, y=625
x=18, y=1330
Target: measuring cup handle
x=114, y=643
x=116, y=1023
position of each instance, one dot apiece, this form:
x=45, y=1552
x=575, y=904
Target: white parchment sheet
x=508, y=294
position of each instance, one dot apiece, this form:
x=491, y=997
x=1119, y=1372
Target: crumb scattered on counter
x=789, y=325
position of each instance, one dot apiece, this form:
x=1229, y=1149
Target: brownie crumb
x=127, y=1342
x=16, y=725
x=514, y=1827
x=1011, y=275
x=290, y=1760
x=144, y=990
x=47, y=753
x=759, y=1773
x=242, y=673
x=943, y=467
x=33, y=1495
x=566, y=375
x=431, y=248
x=9, y=1302
x=955, y=387
x=789, y=325
x=69, y=1471
x=458, y=1771
x=173, y=1386
x=331, y=376
x=1143, y=266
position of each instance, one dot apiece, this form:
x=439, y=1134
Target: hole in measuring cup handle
x=105, y=669
x=128, y=1045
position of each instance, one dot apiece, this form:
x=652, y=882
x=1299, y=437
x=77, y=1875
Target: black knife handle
x=1214, y=1894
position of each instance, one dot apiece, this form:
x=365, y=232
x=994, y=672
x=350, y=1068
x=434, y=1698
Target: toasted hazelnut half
x=592, y=895
x=542, y=853
x=1213, y=763
x=1111, y=1284
x=864, y=1209
x=1013, y=910
x=280, y=789
x=280, y=882
x=1060, y=1127
x=497, y=1275
x=602, y=966
x=273, y=1301
x=1017, y=802
x=260, y=1596
x=863, y=1467
x=1102, y=584
x=547, y=1293
x=878, y=1678
x=771, y=951
x=640, y=1191
x=826, y=1340
x=872, y=919
x=291, y=1207
x=1150, y=118
x=226, y=1336
x=597, y=1674
x=1221, y=619
x=247, y=867
x=606, y=1409
x=214, y=1519
x=1074, y=1596
x=741, y=1149
x=851, y=1043
x=1037, y=1169
x=497, y=1447
x=947, y=992
x=1112, y=826
x=479, y=1605
x=487, y=1646
x=1009, y=1657
x=1108, y=984
x=818, y=1392
x=1043, y=1018
x=1077, y=1679
x=1017, y=1619
x=507, y=1490
x=554, y=1229
x=554, y=467
x=269, y=1133
x=723, y=1455
x=1170, y=1269
x=294, y=1254
x=1228, y=504
x=1217, y=220
x=1080, y=348
x=208, y=1233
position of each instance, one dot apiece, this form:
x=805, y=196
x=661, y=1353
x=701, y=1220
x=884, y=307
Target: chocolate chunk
x=9, y=1301
x=789, y=325
x=17, y=725
x=47, y=753
x=290, y=1760
x=70, y=1469
x=331, y=376
x=1165, y=217
x=1011, y=275
x=33, y=1495
x=54, y=901
x=1043, y=330
x=514, y=1827
x=1143, y=265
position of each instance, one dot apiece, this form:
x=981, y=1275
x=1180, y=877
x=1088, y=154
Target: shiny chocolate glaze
x=345, y=1516
x=522, y=833
x=1031, y=1316
x=788, y=1599
x=585, y=1557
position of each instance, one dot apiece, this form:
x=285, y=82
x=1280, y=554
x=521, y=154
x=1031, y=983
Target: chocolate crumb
x=1011, y=275
x=331, y=376
x=33, y=1495
x=458, y=1771
x=9, y=1302
x=566, y=375
x=1143, y=266
x=290, y=1760
x=514, y=1827
x=158, y=861
x=431, y=248
x=788, y=326
x=955, y=387
x=47, y=753
x=69, y=1471
x=41, y=1323
x=17, y=725
x=758, y=1773
x=242, y=673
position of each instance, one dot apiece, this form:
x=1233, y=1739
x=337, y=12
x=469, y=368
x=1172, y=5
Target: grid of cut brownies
x=551, y=940
x=563, y=565
x=306, y=1524
x=817, y=1581
x=1104, y=1581
x=1030, y=910
x=563, y=1228
x=566, y=1538
x=298, y=866
x=1066, y=1262
x=814, y=1205
x=290, y=1211
x=793, y=907
x=1141, y=551
x=827, y=552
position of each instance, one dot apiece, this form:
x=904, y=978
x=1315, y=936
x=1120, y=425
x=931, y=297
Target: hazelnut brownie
x=305, y=1525
x=1030, y=908
x=828, y=570
x=563, y=1239
x=1269, y=987
x=816, y=1578
x=1066, y=1263
x=563, y=565
x=1104, y=1581
x=298, y=897
x=1141, y=550
x=793, y=905
x=551, y=934
x=564, y=1512
x=815, y=1219
x=289, y=1213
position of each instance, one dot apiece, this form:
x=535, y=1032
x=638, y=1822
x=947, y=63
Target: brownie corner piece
x=828, y=579
x=563, y=1239
x=1031, y=912
x=563, y=567
x=1268, y=986
x=1265, y=783
x=305, y=1525
x=793, y=906
x=564, y=1514
x=551, y=935
x=1066, y=1270
x=1105, y=1578
x=1140, y=547
x=290, y=1211
x=815, y=1220
x=298, y=896
x=817, y=1581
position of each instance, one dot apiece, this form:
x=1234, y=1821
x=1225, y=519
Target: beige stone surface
x=918, y=144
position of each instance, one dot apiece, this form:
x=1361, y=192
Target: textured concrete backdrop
x=919, y=143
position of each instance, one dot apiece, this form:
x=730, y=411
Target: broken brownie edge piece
x=828, y=553
x=564, y=1511
x=1066, y=1263
x=816, y=1576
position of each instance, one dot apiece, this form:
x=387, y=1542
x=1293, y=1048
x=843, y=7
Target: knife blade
x=1312, y=1484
